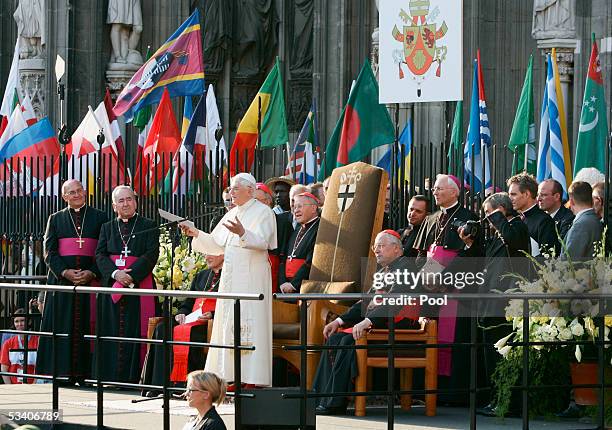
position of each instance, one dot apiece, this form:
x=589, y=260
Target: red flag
x=115, y=131
x=163, y=140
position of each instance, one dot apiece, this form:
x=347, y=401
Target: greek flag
x=553, y=148
x=478, y=139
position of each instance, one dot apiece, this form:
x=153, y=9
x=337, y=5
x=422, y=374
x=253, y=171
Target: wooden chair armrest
x=284, y=313
x=209, y=330
x=318, y=311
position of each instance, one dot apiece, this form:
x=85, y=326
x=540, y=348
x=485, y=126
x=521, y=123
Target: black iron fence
x=391, y=347
x=99, y=341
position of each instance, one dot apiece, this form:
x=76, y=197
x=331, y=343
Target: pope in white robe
x=244, y=234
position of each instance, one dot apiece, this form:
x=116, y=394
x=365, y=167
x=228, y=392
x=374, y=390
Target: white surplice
x=246, y=269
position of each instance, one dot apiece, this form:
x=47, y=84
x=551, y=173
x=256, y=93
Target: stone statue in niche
x=125, y=18
x=300, y=59
x=30, y=19
x=554, y=19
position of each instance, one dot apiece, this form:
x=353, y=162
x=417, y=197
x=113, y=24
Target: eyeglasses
x=74, y=192
x=379, y=246
x=300, y=207
x=191, y=390
x=438, y=189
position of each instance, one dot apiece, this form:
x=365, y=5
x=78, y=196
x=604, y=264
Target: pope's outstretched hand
x=189, y=228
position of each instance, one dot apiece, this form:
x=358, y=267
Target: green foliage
x=545, y=368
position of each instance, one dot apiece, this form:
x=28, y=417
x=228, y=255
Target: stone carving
x=125, y=18
x=300, y=59
x=30, y=19
x=33, y=82
x=217, y=34
x=554, y=19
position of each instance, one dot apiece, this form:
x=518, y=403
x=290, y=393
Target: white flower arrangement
x=552, y=320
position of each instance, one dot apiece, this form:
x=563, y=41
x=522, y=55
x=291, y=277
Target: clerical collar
x=77, y=210
x=246, y=205
x=309, y=223
x=127, y=220
x=445, y=210
x=530, y=207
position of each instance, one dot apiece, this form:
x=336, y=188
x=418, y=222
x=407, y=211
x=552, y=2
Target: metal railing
x=166, y=341
x=392, y=391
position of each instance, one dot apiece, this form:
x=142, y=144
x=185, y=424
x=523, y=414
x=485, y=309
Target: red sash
x=274, y=265
x=292, y=265
x=147, y=303
x=447, y=316
x=68, y=246
x=182, y=333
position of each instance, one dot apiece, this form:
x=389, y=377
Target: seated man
x=297, y=256
x=13, y=351
x=184, y=358
x=337, y=369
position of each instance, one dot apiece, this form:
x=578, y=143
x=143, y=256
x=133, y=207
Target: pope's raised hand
x=189, y=228
x=234, y=226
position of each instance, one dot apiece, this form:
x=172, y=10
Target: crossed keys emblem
x=347, y=189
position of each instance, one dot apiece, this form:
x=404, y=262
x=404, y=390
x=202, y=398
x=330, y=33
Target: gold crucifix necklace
x=80, y=241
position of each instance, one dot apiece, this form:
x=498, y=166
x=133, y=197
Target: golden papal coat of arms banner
x=421, y=50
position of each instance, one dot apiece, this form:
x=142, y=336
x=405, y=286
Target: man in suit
x=550, y=194
x=586, y=230
x=522, y=190
x=507, y=243
x=337, y=368
x=418, y=209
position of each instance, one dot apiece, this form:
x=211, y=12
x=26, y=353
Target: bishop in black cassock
x=297, y=255
x=70, y=243
x=439, y=239
x=126, y=260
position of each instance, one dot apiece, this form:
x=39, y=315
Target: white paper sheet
x=192, y=317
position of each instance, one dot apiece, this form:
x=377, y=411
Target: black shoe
x=152, y=394
x=572, y=411
x=487, y=411
x=333, y=410
x=491, y=411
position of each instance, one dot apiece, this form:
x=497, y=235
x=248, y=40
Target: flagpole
x=258, y=147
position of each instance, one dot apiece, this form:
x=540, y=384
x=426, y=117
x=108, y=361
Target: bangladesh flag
x=364, y=124
x=522, y=137
x=273, y=123
x=455, y=150
x=593, y=130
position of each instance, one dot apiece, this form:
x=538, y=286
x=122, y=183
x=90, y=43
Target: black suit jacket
x=541, y=228
x=379, y=315
x=408, y=237
x=563, y=220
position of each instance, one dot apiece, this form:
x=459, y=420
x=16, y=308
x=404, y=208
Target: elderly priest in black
x=70, y=244
x=185, y=358
x=338, y=368
x=297, y=257
x=438, y=241
x=126, y=260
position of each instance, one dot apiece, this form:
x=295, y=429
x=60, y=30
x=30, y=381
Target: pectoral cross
x=125, y=252
x=80, y=242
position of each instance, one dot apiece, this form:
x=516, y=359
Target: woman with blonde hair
x=204, y=389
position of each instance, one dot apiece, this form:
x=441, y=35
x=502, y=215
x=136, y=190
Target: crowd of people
x=264, y=243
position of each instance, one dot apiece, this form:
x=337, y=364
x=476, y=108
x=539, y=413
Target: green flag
x=363, y=125
x=141, y=119
x=593, y=130
x=455, y=150
x=522, y=137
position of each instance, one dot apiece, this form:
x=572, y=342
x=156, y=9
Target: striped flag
x=273, y=123
x=193, y=144
x=177, y=67
x=553, y=149
x=478, y=141
x=213, y=121
x=305, y=154
x=405, y=141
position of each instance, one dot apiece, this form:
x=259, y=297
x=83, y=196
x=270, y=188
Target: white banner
x=421, y=50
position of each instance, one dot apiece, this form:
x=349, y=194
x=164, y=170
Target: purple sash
x=68, y=246
x=447, y=316
x=147, y=303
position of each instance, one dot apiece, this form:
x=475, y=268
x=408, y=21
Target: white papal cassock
x=246, y=269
